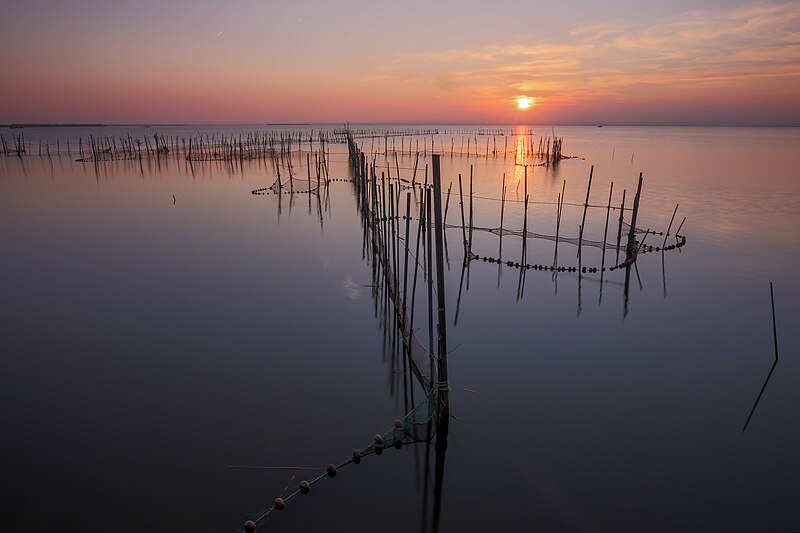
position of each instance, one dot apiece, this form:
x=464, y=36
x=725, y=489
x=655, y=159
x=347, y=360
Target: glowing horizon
x=254, y=62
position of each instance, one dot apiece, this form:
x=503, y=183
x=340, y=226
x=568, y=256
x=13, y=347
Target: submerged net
x=290, y=186
x=417, y=426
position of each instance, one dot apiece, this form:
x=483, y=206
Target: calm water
x=147, y=344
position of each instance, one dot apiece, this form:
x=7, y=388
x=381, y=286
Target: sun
x=524, y=102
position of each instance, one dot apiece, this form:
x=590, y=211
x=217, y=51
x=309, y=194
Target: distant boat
x=599, y=125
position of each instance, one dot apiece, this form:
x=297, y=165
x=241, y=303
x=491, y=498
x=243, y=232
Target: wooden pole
x=308, y=171
x=447, y=203
x=502, y=213
x=559, y=211
x=605, y=232
x=416, y=266
x=442, y=379
x=470, y=209
x=670, y=226
x=583, y=220
x=397, y=166
x=393, y=236
x=405, y=260
x=525, y=221
x=621, y=219
x=678, y=231
x=463, y=223
x=385, y=221
x=429, y=270
x=634, y=215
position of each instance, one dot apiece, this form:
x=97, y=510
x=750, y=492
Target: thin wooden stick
x=669, y=227
x=605, y=231
x=774, y=364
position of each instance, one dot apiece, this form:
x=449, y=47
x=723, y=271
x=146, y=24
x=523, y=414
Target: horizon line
x=22, y=125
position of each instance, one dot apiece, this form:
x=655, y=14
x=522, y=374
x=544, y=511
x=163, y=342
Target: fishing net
x=417, y=426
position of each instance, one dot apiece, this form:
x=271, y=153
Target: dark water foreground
x=147, y=343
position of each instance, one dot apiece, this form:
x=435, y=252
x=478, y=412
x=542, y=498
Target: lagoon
x=161, y=323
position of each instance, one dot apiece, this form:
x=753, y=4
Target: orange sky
x=248, y=61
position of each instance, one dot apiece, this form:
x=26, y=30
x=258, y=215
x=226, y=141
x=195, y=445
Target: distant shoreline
x=401, y=124
x=20, y=126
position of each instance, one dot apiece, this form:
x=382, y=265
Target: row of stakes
x=267, y=190
x=331, y=470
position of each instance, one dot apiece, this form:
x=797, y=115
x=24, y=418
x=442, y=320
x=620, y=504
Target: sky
x=262, y=61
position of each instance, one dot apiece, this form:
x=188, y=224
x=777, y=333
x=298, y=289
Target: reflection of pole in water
x=280, y=207
x=319, y=211
x=625, y=291
x=521, y=283
x=638, y=277
x=775, y=341
x=426, y=476
x=558, y=219
x=443, y=425
x=621, y=219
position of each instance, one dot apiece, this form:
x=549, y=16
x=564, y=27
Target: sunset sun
x=525, y=102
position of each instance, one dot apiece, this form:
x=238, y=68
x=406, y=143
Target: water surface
x=149, y=342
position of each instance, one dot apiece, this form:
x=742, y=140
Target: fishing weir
x=403, y=214
x=387, y=245
x=404, y=227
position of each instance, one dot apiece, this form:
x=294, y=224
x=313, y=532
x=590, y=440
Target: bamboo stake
x=405, y=260
x=678, y=231
x=669, y=227
x=558, y=219
x=463, y=223
x=447, y=203
x=416, y=264
x=583, y=220
x=632, y=234
x=470, y=210
x=429, y=272
x=621, y=218
x=502, y=213
x=442, y=385
x=605, y=231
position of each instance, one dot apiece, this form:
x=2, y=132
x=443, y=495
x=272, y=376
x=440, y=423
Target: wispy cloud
x=707, y=48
